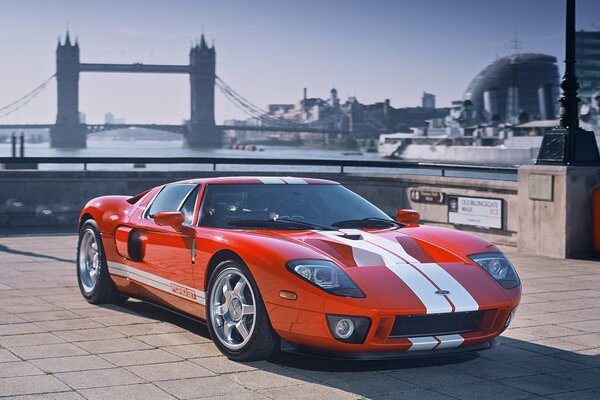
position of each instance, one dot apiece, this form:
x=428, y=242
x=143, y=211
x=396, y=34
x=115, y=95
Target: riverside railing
x=508, y=173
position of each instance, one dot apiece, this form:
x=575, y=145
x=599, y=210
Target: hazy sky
x=269, y=50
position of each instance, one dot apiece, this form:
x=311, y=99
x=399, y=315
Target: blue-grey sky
x=269, y=50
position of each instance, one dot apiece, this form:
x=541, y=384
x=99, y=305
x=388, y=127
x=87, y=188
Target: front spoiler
x=387, y=355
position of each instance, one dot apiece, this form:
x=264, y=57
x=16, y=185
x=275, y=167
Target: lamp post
x=568, y=144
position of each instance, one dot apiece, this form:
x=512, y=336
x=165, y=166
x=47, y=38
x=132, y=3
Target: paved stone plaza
x=54, y=345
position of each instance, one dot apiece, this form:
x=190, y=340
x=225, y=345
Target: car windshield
x=247, y=206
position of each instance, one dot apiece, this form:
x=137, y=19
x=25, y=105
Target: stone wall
x=43, y=198
x=555, y=205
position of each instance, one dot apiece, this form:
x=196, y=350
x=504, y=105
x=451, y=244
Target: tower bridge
x=199, y=132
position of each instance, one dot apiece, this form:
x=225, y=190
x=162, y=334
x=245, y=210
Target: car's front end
x=385, y=294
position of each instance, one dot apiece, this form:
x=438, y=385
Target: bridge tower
x=68, y=130
x=202, y=131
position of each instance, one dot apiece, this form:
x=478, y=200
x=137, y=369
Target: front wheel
x=237, y=319
x=92, y=270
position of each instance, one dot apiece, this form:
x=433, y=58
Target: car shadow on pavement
x=324, y=364
x=160, y=314
x=285, y=359
x=514, y=369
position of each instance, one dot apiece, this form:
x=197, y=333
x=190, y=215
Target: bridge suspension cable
x=24, y=100
x=256, y=112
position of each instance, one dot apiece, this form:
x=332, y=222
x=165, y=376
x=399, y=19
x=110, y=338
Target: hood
x=401, y=271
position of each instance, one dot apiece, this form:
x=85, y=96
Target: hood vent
x=352, y=237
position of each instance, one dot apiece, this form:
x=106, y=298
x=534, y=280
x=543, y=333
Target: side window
x=188, y=206
x=170, y=198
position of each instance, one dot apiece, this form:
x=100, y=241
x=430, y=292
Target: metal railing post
x=14, y=144
x=22, y=145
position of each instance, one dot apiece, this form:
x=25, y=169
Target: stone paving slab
x=54, y=345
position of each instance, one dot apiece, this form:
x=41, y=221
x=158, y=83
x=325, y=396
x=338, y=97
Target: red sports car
x=297, y=264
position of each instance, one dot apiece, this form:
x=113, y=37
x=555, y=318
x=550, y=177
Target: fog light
x=344, y=328
x=510, y=317
x=348, y=329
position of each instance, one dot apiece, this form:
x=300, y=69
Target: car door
x=169, y=252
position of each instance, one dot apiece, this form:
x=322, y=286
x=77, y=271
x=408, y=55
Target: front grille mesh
x=436, y=324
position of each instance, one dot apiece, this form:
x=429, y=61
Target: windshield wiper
x=279, y=223
x=369, y=222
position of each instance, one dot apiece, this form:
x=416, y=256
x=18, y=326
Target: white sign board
x=475, y=211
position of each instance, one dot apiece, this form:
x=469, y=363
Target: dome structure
x=514, y=86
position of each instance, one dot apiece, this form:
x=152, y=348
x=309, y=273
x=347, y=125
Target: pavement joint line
x=78, y=391
x=127, y=385
x=37, y=393
x=257, y=390
x=57, y=376
x=536, y=395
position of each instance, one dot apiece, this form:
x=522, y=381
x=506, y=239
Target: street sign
x=475, y=211
x=427, y=196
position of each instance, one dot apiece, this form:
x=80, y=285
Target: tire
x=92, y=271
x=237, y=319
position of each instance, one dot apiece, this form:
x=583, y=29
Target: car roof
x=249, y=180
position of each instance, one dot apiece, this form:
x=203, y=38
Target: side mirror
x=407, y=216
x=170, y=218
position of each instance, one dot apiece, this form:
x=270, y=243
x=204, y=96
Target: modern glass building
x=587, y=66
x=515, y=88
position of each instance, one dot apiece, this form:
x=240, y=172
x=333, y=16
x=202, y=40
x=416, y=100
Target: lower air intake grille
x=436, y=324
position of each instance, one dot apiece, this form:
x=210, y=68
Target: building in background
x=515, y=89
x=587, y=66
x=511, y=91
x=428, y=100
x=364, y=121
x=110, y=119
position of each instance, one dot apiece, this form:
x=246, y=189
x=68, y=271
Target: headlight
x=325, y=275
x=498, y=266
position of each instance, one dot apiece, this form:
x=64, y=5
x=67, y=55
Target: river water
x=174, y=148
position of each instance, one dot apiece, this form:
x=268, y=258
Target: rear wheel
x=237, y=319
x=92, y=271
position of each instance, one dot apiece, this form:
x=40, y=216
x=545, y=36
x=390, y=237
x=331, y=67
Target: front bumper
x=387, y=355
x=308, y=329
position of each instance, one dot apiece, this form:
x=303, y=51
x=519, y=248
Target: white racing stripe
x=294, y=181
x=459, y=296
x=423, y=343
x=435, y=342
x=425, y=290
x=449, y=341
x=415, y=280
x=390, y=245
x=418, y=276
x=268, y=180
x=157, y=282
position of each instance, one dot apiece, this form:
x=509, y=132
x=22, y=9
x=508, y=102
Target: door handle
x=194, y=251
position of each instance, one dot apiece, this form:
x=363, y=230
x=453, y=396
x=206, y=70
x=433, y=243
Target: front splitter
x=387, y=355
